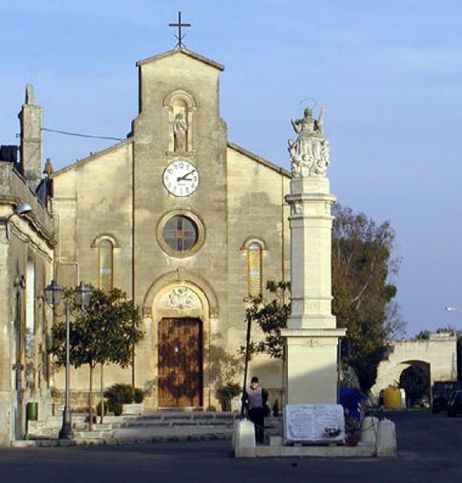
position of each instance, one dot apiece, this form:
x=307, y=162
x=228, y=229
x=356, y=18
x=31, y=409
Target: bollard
x=386, y=438
x=243, y=439
x=369, y=430
x=31, y=413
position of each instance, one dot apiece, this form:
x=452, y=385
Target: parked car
x=455, y=404
x=441, y=391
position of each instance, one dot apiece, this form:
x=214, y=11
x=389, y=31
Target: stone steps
x=177, y=419
x=149, y=427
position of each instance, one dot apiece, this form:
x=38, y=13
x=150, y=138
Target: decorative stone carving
x=181, y=298
x=309, y=153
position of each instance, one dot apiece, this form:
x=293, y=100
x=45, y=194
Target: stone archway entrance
x=415, y=380
x=180, y=362
x=180, y=322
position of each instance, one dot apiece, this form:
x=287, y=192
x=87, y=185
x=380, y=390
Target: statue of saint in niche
x=180, y=132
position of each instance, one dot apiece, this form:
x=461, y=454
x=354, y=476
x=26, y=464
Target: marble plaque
x=313, y=423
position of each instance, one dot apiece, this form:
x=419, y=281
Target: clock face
x=181, y=178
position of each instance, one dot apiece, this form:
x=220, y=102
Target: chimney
x=30, y=119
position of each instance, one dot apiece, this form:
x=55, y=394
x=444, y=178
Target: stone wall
x=26, y=255
x=439, y=352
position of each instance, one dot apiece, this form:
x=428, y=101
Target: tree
x=270, y=314
x=362, y=264
x=423, y=335
x=363, y=297
x=104, y=333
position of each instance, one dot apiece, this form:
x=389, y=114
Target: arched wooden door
x=180, y=362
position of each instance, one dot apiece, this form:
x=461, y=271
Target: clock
x=181, y=178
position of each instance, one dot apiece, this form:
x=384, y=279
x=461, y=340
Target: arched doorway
x=181, y=327
x=415, y=380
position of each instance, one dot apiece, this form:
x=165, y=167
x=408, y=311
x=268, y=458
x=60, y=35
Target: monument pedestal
x=311, y=365
x=311, y=337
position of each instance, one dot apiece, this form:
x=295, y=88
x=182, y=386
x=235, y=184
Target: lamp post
x=453, y=309
x=20, y=210
x=54, y=294
x=246, y=362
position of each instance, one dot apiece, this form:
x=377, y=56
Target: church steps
x=181, y=419
x=150, y=427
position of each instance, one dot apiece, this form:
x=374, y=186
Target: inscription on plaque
x=313, y=423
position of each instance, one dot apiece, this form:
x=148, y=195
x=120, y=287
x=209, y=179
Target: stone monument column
x=311, y=337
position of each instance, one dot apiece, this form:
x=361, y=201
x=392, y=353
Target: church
x=184, y=221
x=179, y=217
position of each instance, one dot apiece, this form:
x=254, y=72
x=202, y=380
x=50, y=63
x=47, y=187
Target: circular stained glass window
x=180, y=233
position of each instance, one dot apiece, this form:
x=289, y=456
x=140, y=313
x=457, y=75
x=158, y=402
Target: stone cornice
x=14, y=191
x=259, y=159
x=93, y=156
x=184, y=51
x=329, y=332
x=310, y=197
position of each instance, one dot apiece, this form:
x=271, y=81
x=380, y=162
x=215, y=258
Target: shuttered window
x=105, y=262
x=254, y=269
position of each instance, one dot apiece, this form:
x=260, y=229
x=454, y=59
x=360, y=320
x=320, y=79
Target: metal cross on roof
x=180, y=35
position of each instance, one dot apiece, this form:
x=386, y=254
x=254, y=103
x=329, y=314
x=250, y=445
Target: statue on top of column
x=309, y=153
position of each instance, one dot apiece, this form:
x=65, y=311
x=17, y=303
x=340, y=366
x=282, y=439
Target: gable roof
x=260, y=160
x=92, y=156
x=184, y=51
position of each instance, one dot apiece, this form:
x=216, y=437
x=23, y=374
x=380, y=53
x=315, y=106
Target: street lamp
x=54, y=294
x=83, y=294
x=20, y=210
x=453, y=309
x=248, y=316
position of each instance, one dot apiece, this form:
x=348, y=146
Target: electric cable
x=91, y=136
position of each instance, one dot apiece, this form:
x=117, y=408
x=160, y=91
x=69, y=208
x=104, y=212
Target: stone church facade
x=184, y=221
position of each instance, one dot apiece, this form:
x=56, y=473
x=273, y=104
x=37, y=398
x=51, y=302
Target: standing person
x=256, y=399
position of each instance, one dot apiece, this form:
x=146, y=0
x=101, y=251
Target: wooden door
x=180, y=362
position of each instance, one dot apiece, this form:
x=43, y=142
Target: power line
x=80, y=135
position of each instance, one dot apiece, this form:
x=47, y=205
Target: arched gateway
x=434, y=358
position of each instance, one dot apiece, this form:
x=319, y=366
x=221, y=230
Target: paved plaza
x=429, y=451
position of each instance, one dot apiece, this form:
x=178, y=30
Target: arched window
x=254, y=268
x=105, y=264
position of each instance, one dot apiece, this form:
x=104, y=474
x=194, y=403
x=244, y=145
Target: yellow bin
x=392, y=398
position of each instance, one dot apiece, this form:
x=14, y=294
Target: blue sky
x=388, y=73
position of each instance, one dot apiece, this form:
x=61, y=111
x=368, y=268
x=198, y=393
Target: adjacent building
x=26, y=259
